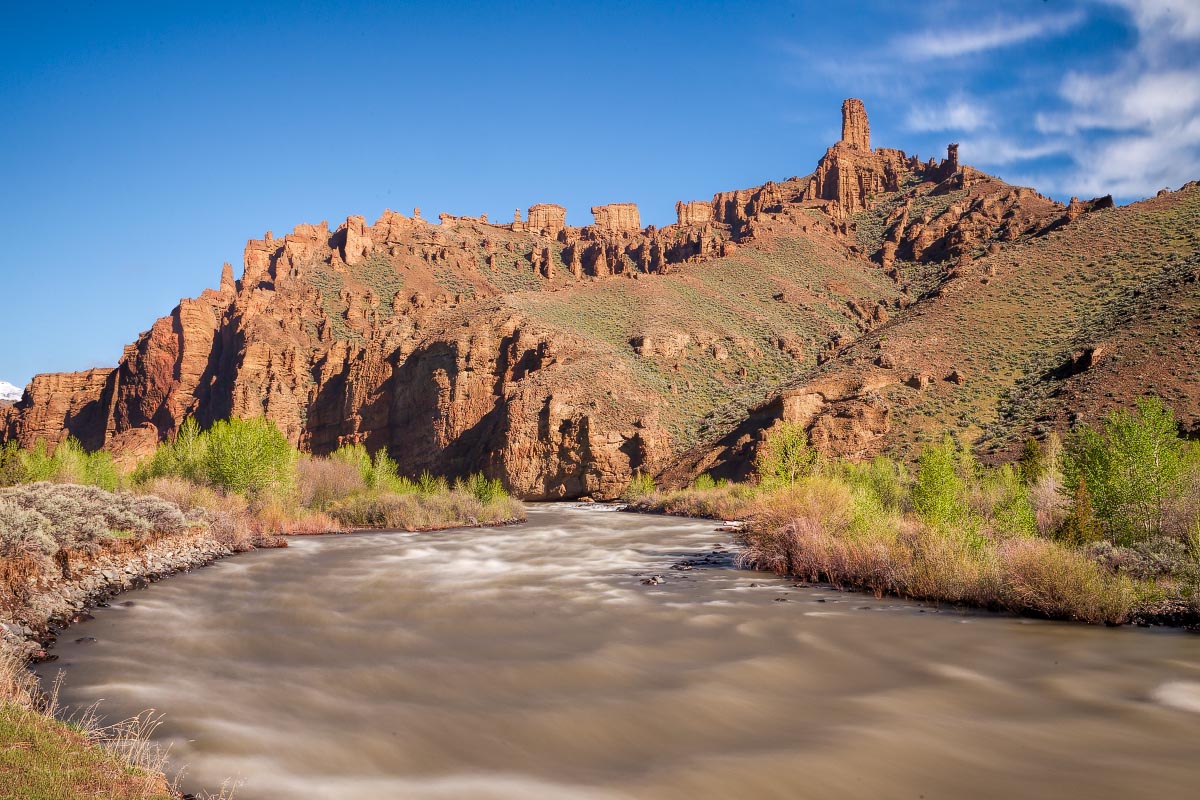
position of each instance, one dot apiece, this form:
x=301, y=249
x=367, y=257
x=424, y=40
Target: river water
x=532, y=662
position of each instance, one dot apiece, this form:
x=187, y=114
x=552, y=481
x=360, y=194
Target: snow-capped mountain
x=9, y=392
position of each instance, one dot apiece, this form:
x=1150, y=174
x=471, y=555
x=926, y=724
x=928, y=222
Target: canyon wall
x=402, y=334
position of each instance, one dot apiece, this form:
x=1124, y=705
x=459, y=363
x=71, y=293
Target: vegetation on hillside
x=1104, y=527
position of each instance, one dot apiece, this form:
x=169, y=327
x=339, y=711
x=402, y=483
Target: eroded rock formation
x=402, y=333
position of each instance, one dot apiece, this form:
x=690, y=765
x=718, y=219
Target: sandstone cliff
x=564, y=359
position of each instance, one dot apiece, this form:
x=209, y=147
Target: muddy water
x=531, y=662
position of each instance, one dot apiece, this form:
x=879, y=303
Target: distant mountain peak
x=9, y=392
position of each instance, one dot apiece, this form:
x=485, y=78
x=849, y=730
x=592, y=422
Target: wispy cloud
x=959, y=113
x=999, y=32
x=1164, y=19
x=999, y=151
x=1136, y=127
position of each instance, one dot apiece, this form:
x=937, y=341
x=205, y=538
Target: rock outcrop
x=420, y=338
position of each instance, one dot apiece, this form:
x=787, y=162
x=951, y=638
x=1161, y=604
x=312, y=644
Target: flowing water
x=531, y=662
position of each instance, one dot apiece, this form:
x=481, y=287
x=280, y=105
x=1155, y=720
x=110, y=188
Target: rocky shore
x=52, y=600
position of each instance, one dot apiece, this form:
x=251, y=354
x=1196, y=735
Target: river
x=531, y=662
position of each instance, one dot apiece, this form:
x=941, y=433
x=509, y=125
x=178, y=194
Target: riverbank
x=706, y=683
x=42, y=756
x=68, y=549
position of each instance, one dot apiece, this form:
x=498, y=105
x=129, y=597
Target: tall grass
x=1103, y=528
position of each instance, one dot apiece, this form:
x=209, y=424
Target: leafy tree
x=938, y=492
x=38, y=463
x=12, y=470
x=1132, y=470
x=247, y=456
x=1034, y=463
x=785, y=456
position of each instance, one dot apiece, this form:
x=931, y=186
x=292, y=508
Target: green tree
x=1133, y=469
x=181, y=457
x=12, y=470
x=785, y=456
x=1033, y=464
x=38, y=463
x=248, y=456
x=939, y=491
x=1080, y=527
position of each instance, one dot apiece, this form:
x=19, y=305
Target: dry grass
x=42, y=758
x=821, y=529
x=730, y=501
x=321, y=482
x=414, y=512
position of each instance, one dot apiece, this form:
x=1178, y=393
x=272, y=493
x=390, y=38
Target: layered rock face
x=416, y=337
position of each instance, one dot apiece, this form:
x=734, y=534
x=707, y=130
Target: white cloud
x=998, y=33
x=1136, y=128
x=992, y=151
x=1169, y=19
x=957, y=114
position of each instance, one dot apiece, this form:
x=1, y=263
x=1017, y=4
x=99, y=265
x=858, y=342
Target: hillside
x=1025, y=339
x=565, y=359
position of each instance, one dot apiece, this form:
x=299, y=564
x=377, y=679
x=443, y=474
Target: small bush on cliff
x=785, y=456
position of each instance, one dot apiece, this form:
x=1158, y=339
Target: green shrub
x=1133, y=469
x=485, y=490
x=38, y=463
x=1033, y=461
x=887, y=481
x=640, y=487
x=248, y=456
x=182, y=457
x=785, y=456
x=245, y=456
x=429, y=485
x=937, y=494
x=1012, y=511
x=704, y=482
x=69, y=463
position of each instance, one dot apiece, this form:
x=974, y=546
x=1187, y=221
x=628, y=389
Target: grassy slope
x=724, y=306
x=1119, y=275
x=1005, y=323
x=44, y=759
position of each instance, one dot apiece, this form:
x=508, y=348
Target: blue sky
x=142, y=144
